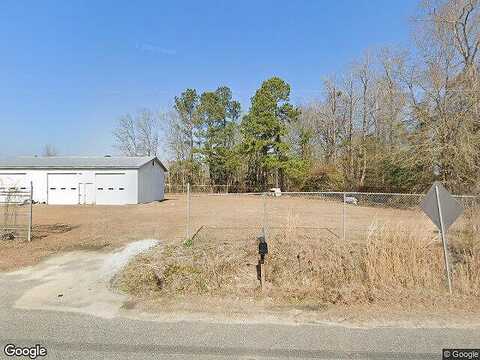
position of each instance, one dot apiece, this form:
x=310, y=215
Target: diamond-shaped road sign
x=450, y=207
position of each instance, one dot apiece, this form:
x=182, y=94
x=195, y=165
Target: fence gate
x=16, y=213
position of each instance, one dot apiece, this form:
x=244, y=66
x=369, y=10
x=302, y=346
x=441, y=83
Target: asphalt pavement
x=78, y=335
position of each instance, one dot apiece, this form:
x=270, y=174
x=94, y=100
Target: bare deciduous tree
x=126, y=138
x=148, y=128
x=448, y=135
x=139, y=135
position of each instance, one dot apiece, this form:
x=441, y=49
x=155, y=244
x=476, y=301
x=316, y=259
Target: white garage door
x=110, y=189
x=12, y=181
x=9, y=181
x=63, y=189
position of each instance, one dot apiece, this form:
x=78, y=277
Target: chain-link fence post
x=188, y=213
x=344, y=215
x=30, y=215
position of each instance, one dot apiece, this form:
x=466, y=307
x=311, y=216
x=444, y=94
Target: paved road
x=79, y=336
x=70, y=335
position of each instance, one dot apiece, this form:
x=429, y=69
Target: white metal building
x=86, y=180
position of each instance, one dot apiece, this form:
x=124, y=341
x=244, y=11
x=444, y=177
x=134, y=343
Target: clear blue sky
x=69, y=69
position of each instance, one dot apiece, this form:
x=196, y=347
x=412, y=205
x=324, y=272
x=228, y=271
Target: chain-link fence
x=348, y=216
x=201, y=189
x=325, y=247
x=16, y=213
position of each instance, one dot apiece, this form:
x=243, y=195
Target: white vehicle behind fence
x=351, y=200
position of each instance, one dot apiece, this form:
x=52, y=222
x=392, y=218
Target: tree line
x=396, y=120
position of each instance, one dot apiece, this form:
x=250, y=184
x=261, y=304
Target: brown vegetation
x=404, y=266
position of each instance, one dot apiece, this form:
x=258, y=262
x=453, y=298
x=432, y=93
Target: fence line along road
x=16, y=213
x=344, y=215
x=205, y=189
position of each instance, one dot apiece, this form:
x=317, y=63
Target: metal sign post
x=444, y=239
x=440, y=206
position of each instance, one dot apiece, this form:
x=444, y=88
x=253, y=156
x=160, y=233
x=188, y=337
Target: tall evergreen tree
x=263, y=133
x=186, y=129
x=219, y=115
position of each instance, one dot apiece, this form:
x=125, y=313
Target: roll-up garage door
x=63, y=189
x=110, y=189
x=11, y=181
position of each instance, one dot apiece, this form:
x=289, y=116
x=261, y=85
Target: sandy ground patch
x=70, y=228
x=78, y=281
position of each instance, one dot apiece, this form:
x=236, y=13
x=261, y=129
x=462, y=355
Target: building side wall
x=151, y=182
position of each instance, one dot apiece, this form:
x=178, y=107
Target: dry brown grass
x=391, y=266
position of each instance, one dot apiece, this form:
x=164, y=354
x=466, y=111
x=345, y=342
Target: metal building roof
x=76, y=162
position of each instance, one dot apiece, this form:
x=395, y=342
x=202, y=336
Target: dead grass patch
x=391, y=266
x=42, y=231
